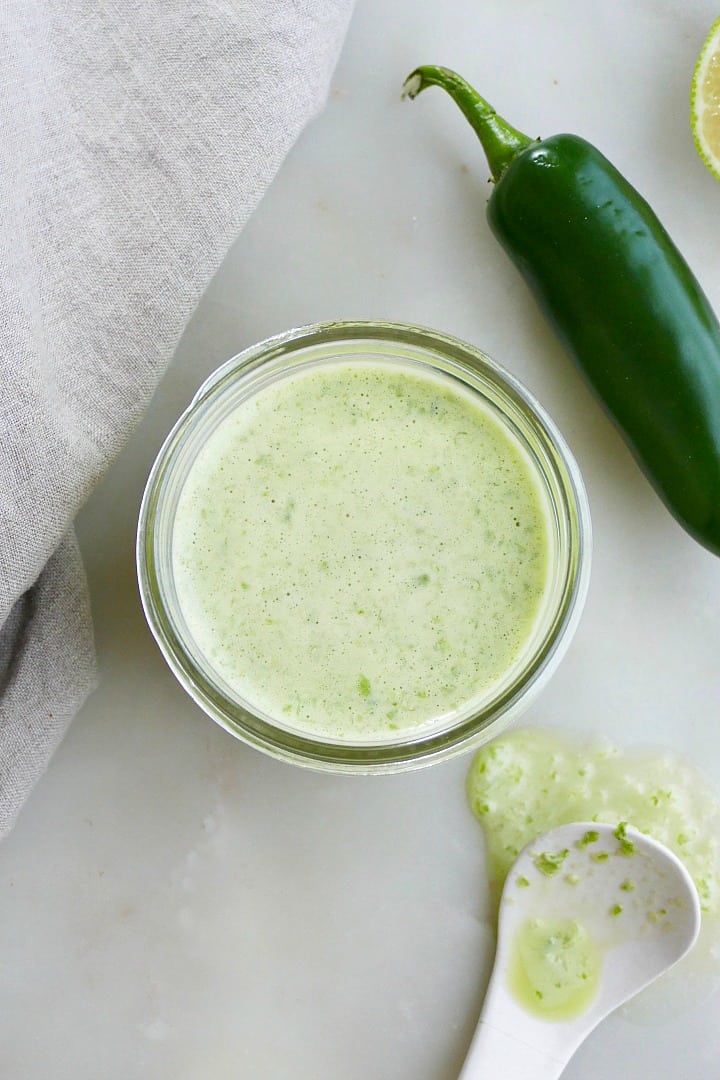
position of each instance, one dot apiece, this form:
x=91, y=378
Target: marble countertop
x=175, y=904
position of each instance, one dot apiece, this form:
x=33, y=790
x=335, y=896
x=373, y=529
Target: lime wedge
x=705, y=101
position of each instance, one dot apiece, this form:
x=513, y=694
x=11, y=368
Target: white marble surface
x=173, y=904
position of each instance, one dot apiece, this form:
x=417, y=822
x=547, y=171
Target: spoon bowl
x=590, y=914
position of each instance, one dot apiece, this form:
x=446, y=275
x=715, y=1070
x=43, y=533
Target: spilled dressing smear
x=529, y=781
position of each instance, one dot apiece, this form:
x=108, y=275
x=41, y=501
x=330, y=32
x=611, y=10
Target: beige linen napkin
x=136, y=138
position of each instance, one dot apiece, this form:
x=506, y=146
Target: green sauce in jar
x=361, y=548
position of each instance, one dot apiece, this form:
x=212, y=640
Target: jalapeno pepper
x=619, y=294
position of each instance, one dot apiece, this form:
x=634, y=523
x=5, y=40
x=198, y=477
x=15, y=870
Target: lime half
x=705, y=101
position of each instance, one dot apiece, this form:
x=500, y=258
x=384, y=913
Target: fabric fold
x=136, y=141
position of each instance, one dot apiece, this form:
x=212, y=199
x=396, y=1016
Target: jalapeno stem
x=500, y=141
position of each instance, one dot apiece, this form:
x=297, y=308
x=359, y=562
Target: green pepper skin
x=622, y=299
x=627, y=306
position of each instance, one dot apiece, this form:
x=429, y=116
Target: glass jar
x=558, y=479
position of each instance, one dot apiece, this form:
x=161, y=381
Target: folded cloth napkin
x=136, y=137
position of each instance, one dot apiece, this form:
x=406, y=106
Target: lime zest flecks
x=627, y=847
x=590, y=837
x=616, y=910
x=548, y=862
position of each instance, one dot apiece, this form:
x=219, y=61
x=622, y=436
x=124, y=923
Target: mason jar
x=288, y=368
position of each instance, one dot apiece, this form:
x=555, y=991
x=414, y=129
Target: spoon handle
x=496, y=1055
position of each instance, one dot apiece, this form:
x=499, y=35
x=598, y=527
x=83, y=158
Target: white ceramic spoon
x=629, y=903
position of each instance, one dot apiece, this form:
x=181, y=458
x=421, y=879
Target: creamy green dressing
x=554, y=968
x=361, y=548
x=530, y=780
